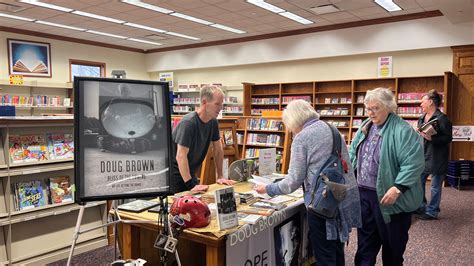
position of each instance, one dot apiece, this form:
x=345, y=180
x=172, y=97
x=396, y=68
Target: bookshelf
x=187, y=100
x=24, y=231
x=254, y=133
x=37, y=98
x=340, y=102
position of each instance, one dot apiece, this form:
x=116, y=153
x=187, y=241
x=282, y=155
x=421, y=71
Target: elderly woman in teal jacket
x=387, y=157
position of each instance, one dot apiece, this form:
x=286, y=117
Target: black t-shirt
x=193, y=133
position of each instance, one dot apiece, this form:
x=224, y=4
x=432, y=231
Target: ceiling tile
x=272, y=19
x=187, y=4
x=230, y=17
x=337, y=16
x=70, y=4
x=66, y=19
x=407, y=4
x=38, y=13
x=237, y=6
x=426, y=3
x=367, y=11
x=210, y=11
x=97, y=10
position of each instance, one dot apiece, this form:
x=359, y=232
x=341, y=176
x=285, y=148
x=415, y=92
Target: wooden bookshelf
x=329, y=98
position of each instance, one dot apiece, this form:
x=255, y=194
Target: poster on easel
x=123, y=139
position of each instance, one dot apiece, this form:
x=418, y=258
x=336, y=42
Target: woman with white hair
x=387, y=156
x=311, y=147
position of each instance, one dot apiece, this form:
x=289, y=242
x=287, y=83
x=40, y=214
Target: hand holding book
x=430, y=128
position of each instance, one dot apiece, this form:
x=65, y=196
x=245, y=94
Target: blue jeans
x=432, y=207
x=327, y=252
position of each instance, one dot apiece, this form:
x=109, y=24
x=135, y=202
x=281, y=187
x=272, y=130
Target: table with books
x=263, y=238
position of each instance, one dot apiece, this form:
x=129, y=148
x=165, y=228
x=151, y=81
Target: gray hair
x=208, y=92
x=297, y=113
x=384, y=96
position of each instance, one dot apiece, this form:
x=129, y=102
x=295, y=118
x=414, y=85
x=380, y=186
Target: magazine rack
x=115, y=219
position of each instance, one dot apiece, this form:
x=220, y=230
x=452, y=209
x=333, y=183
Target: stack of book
x=247, y=198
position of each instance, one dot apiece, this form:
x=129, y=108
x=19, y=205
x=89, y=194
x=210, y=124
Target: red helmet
x=192, y=210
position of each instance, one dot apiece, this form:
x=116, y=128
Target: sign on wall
x=384, y=67
x=166, y=77
x=463, y=133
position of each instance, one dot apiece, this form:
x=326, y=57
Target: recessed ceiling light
x=265, y=5
x=90, y=15
x=58, y=25
x=222, y=27
x=16, y=17
x=182, y=35
x=198, y=20
x=296, y=18
x=143, y=27
x=147, y=6
x=388, y=5
x=106, y=34
x=143, y=41
x=50, y=6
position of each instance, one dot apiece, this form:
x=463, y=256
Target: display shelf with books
x=37, y=98
x=343, y=100
x=36, y=192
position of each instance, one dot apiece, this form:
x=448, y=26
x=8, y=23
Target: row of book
x=288, y=99
x=334, y=100
x=233, y=109
x=264, y=124
x=37, y=100
x=252, y=152
x=410, y=110
x=196, y=87
x=329, y=111
x=272, y=100
x=264, y=139
x=197, y=100
x=337, y=123
x=258, y=111
x=40, y=147
x=182, y=109
x=404, y=97
x=32, y=194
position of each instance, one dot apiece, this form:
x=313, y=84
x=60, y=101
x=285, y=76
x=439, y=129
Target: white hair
x=384, y=96
x=297, y=113
x=208, y=92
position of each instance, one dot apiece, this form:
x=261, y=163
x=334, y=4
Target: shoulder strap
x=336, y=136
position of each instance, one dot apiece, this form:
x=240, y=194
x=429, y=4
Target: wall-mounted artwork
x=29, y=58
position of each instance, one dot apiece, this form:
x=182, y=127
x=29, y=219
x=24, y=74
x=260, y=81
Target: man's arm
x=218, y=157
x=183, y=164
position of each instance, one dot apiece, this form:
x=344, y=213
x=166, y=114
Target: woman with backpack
x=387, y=156
x=312, y=146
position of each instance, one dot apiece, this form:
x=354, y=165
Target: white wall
x=421, y=62
x=383, y=38
x=62, y=51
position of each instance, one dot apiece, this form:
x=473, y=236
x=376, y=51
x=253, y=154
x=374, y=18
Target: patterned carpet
x=446, y=241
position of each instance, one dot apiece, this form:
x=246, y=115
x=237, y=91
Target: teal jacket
x=401, y=162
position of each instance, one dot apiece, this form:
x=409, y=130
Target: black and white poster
x=123, y=132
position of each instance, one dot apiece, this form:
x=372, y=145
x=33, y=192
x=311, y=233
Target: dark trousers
x=327, y=252
x=375, y=233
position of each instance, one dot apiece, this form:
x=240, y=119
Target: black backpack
x=328, y=188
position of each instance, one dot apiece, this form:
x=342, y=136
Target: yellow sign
x=16, y=80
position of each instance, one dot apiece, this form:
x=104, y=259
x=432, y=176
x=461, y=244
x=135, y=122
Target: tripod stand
x=115, y=220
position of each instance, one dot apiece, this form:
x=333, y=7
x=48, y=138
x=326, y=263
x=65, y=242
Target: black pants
x=375, y=233
x=327, y=252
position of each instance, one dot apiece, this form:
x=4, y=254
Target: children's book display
x=40, y=147
x=28, y=195
x=60, y=190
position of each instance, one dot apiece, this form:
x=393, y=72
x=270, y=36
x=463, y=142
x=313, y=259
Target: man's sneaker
x=427, y=217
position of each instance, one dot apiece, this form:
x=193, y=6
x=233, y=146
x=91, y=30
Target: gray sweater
x=309, y=151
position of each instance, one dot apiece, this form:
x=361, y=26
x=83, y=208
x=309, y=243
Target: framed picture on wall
x=29, y=58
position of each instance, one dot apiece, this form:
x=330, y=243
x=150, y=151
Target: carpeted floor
x=446, y=241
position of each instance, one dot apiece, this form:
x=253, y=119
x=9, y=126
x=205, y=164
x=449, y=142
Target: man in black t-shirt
x=191, y=139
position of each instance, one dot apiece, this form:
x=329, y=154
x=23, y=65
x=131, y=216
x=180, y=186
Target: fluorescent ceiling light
x=90, y=15
x=148, y=6
x=222, y=27
x=143, y=27
x=143, y=41
x=106, y=34
x=388, y=5
x=267, y=6
x=296, y=18
x=16, y=17
x=50, y=6
x=182, y=35
x=198, y=20
x=59, y=25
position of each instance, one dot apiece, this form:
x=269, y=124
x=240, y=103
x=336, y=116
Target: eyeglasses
x=374, y=109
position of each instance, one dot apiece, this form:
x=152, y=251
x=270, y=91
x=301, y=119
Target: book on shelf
x=138, y=205
x=360, y=98
x=28, y=195
x=228, y=138
x=360, y=111
x=27, y=148
x=430, y=128
x=60, y=146
x=226, y=208
x=60, y=190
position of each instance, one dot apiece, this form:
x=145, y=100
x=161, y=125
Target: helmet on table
x=192, y=210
